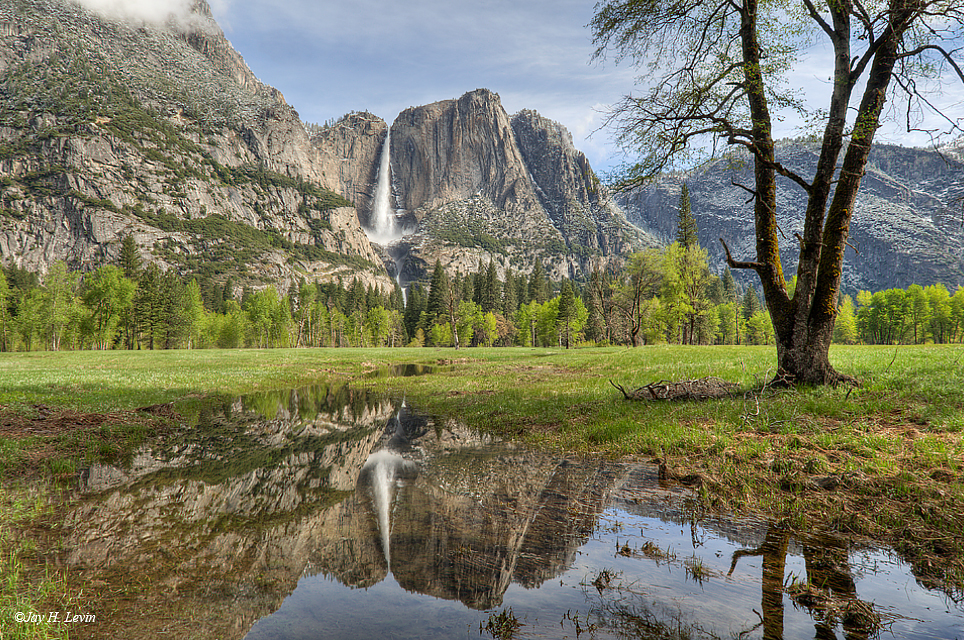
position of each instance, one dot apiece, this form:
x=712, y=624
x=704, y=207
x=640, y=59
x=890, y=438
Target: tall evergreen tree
x=414, y=308
x=356, y=299
x=4, y=312
x=596, y=323
x=729, y=285
x=130, y=260
x=396, y=300
x=521, y=290
x=490, y=289
x=685, y=223
x=174, y=321
x=147, y=308
x=510, y=301
x=751, y=303
x=478, y=284
x=567, y=312
x=538, y=284
x=438, y=294
x=228, y=290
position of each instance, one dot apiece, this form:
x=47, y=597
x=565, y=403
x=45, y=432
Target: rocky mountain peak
x=456, y=149
x=481, y=185
x=154, y=126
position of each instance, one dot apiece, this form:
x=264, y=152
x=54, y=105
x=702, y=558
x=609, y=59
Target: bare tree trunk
x=803, y=325
x=803, y=352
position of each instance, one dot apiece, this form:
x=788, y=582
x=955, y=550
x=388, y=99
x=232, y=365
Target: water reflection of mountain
x=238, y=506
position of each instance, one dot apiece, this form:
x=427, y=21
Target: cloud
x=153, y=11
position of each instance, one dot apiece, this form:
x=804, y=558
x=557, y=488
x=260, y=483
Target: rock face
x=111, y=127
x=906, y=225
x=576, y=201
x=478, y=184
x=453, y=150
x=348, y=153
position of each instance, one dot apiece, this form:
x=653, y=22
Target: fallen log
x=701, y=389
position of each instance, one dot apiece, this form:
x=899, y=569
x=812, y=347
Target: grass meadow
x=882, y=461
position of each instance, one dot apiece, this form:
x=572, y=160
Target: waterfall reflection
x=386, y=470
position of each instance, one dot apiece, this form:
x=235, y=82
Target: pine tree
x=356, y=300
x=478, y=284
x=567, y=311
x=510, y=301
x=4, y=312
x=751, y=303
x=521, y=290
x=174, y=321
x=396, y=301
x=438, y=293
x=130, y=260
x=729, y=285
x=228, y=294
x=538, y=285
x=596, y=324
x=685, y=223
x=414, y=308
x=490, y=289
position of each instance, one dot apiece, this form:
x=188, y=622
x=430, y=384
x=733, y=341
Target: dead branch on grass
x=701, y=389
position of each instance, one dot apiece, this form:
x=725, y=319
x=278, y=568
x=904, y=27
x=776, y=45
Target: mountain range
x=908, y=223
x=111, y=128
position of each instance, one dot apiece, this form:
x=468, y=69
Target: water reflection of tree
x=829, y=592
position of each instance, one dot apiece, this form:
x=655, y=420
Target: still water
x=328, y=513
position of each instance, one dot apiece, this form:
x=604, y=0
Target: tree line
x=665, y=295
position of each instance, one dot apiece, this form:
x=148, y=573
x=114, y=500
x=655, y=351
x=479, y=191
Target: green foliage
x=538, y=283
x=660, y=296
x=845, y=329
x=685, y=223
x=913, y=316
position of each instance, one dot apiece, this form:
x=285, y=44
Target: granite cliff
x=111, y=127
x=477, y=184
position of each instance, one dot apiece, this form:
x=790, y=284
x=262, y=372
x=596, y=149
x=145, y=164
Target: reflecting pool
x=326, y=512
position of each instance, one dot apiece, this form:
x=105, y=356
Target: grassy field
x=882, y=461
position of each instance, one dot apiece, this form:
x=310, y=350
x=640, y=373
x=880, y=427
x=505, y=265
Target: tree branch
x=734, y=264
x=812, y=10
x=947, y=56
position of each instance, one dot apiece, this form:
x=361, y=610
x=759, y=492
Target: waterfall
x=383, y=485
x=382, y=222
x=398, y=278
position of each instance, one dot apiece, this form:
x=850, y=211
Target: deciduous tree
x=717, y=72
x=639, y=279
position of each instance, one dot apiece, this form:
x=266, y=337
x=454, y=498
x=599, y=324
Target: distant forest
x=659, y=296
